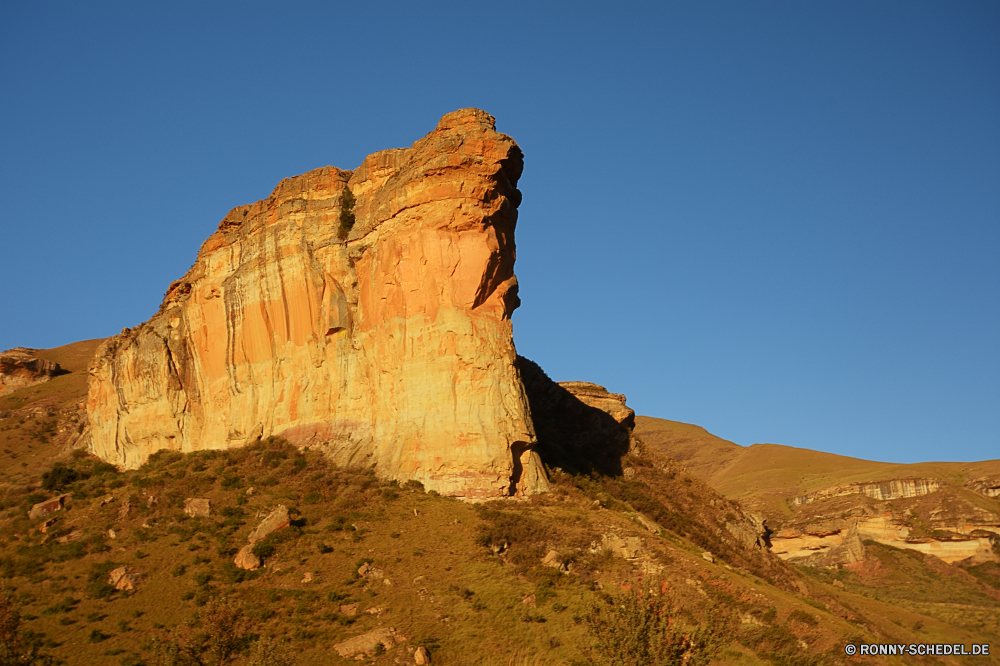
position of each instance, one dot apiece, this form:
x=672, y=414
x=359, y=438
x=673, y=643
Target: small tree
x=228, y=631
x=636, y=629
x=17, y=647
x=347, y=202
x=268, y=652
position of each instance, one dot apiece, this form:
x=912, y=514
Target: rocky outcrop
x=367, y=643
x=600, y=398
x=273, y=522
x=839, y=541
x=123, y=578
x=387, y=341
x=19, y=367
x=881, y=490
x=48, y=506
x=841, y=545
x=245, y=559
x=198, y=507
x=988, y=486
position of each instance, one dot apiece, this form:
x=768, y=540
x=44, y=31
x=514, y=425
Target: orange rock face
x=388, y=345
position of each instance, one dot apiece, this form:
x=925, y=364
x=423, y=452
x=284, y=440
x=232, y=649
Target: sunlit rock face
x=391, y=346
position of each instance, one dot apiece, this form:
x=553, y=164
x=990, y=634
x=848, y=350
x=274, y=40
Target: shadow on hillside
x=573, y=436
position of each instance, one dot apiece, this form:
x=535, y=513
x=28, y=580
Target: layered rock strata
x=388, y=342
x=882, y=490
x=19, y=367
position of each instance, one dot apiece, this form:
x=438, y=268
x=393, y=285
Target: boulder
x=44, y=527
x=421, y=656
x=350, y=610
x=245, y=559
x=273, y=522
x=198, y=507
x=48, y=506
x=368, y=570
x=366, y=643
x=123, y=578
x=553, y=560
x=387, y=339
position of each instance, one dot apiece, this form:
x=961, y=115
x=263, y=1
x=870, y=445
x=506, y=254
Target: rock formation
x=19, y=367
x=374, y=324
x=882, y=490
x=581, y=426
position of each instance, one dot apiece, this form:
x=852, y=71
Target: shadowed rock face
x=581, y=426
x=392, y=346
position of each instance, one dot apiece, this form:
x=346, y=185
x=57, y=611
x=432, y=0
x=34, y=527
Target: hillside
x=918, y=533
x=765, y=475
x=539, y=581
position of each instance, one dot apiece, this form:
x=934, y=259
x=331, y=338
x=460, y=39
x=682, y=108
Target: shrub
x=347, y=202
x=264, y=549
x=803, y=617
x=633, y=628
x=59, y=477
x=17, y=647
x=98, y=586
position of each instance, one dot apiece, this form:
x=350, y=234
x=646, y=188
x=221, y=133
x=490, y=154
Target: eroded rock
x=272, y=523
x=366, y=643
x=198, y=507
x=19, y=367
x=123, y=578
x=245, y=559
x=47, y=507
x=628, y=547
x=390, y=342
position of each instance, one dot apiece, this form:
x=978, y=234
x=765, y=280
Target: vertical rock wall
x=392, y=346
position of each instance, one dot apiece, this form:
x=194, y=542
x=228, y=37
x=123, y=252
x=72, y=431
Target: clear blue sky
x=780, y=221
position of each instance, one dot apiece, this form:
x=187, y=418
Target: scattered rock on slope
x=272, y=523
x=367, y=643
x=198, y=507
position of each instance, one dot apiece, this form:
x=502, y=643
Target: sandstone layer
x=385, y=343
x=19, y=367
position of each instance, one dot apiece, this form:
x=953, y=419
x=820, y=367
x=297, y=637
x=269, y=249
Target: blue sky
x=780, y=221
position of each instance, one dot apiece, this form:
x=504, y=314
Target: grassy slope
x=45, y=417
x=769, y=473
x=448, y=590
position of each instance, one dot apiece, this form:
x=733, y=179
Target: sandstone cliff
x=388, y=342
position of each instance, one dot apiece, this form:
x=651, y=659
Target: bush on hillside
x=636, y=629
x=59, y=477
